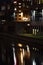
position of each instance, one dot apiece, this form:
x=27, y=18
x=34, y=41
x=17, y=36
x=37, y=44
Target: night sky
x=4, y=0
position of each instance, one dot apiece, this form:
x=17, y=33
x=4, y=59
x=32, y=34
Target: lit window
x=13, y=15
x=19, y=6
x=19, y=3
x=15, y=2
x=14, y=56
x=19, y=10
x=25, y=19
x=28, y=24
x=15, y=9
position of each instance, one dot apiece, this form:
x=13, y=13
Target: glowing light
x=19, y=3
x=34, y=13
x=19, y=10
x=19, y=6
x=28, y=24
x=15, y=2
x=34, y=63
x=21, y=13
x=20, y=49
x=23, y=52
x=33, y=48
x=28, y=48
x=25, y=19
x=42, y=12
x=14, y=56
x=21, y=57
x=37, y=30
x=15, y=9
x=20, y=45
x=33, y=31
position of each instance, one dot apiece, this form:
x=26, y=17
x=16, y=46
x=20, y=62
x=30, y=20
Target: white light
x=15, y=2
x=15, y=9
x=14, y=13
x=28, y=48
x=14, y=56
x=28, y=24
x=23, y=52
x=19, y=3
x=19, y=6
x=34, y=63
x=42, y=12
x=34, y=13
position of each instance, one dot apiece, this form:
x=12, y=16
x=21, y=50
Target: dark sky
x=4, y=0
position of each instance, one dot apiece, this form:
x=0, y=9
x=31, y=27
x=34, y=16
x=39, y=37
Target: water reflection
x=24, y=55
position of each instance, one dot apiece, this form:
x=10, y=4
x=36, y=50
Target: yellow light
x=25, y=19
x=20, y=49
x=21, y=57
x=20, y=45
x=21, y=13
